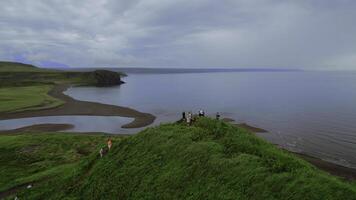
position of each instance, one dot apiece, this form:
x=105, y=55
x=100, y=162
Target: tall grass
x=209, y=160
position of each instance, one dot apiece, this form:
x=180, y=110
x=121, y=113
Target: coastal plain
x=211, y=159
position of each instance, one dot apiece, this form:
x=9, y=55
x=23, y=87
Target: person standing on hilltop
x=183, y=116
x=189, y=118
x=109, y=144
x=101, y=152
x=218, y=116
x=200, y=114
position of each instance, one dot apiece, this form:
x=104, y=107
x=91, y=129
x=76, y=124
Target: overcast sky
x=309, y=34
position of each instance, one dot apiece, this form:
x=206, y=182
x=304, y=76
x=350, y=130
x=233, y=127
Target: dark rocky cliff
x=107, y=78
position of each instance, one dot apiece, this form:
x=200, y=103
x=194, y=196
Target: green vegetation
x=19, y=67
x=40, y=78
x=25, y=87
x=209, y=160
x=17, y=74
x=27, y=98
x=34, y=157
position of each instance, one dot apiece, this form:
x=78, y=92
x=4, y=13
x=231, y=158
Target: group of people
x=189, y=117
x=186, y=117
x=103, y=151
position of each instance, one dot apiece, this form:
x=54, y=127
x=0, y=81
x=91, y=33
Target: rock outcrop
x=107, y=78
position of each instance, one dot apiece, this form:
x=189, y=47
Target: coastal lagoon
x=102, y=124
x=306, y=112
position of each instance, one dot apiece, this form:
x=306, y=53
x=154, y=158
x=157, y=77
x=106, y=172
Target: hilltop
x=20, y=67
x=209, y=160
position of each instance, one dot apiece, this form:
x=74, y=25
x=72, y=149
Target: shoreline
x=346, y=173
x=54, y=129
x=246, y=126
x=338, y=170
x=38, y=128
x=76, y=107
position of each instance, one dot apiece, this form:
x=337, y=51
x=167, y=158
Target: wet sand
x=248, y=127
x=251, y=128
x=76, y=107
x=53, y=129
x=39, y=128
x=333, y=169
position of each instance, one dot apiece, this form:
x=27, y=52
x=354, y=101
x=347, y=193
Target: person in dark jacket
x=217, y=115
x=201, y=113
x=183, y=116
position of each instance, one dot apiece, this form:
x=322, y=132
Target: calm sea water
x=307, y=112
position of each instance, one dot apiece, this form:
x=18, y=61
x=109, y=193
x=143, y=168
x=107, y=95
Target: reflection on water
x=81, y=123
x=310, y=112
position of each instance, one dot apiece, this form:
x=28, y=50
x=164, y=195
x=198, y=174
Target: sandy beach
x=332, y=168
x=76, y=107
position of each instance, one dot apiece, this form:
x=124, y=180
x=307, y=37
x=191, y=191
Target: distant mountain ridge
x=15, y=66
x=5, y=63
x=6, y=66
x=19, y=74
x=142, y=70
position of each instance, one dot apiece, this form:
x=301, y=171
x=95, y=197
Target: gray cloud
x=311, y=34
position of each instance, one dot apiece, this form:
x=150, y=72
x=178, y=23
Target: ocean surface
x=306, y=112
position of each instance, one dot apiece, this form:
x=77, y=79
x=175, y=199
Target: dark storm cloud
x=312, y=34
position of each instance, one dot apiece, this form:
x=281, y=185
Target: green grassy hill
x=15, y=99
x=25, y=87
x=18, y=74
x=209, y=160
x=20, y=67
x=30, y=156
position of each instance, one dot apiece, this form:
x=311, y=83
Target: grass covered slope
x=27, y=98
x=40, y=158
x=20, y=67
x=210, y=160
